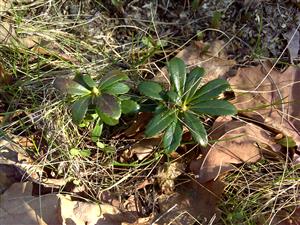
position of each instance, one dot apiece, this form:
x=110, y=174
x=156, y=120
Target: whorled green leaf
x=89, y=81
x=97, y=130
x=177, y=72
x=160, y=122
x=211, y=90
x=112, y=78
x=214, y=107
x=192, y=83
x=129, y=106
x=79, y=109
x=107, y=119
x=195, y=126
x=151, y=89
x=174, y=97
x=116, y=89
x=172, y=137
x=109, y=105
x=71, y=87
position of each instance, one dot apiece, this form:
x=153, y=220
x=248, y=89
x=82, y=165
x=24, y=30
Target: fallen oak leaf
x=270, y=97
x=82, y=213
x=191, y=203
x=236, y=142
x=18, y=206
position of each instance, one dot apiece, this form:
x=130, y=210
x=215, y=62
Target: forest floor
x=53, y=172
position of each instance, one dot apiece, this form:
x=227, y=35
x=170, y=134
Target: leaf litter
x=269, y=94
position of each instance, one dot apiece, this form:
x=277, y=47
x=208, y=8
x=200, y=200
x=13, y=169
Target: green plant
x=184, y=104
x=100, y=103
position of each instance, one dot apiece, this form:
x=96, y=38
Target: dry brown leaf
x=238, y=142
x=7, y=32
x=145, y=147
x=138, y=124
x=5, y=78
x=18, y=206
x=84, y=213
x=270, y=97
x=212, y=57
x=193, y=202
x=31, y=41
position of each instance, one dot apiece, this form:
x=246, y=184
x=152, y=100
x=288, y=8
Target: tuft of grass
x=262, y=193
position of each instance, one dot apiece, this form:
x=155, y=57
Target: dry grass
x=266, y=192
x=92, y=43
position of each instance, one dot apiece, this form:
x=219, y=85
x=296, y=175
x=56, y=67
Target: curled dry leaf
x=270, y=97
x=143, y=148
x=18, y=206
x=237, y=142
x=83, y=213
x=212, y=57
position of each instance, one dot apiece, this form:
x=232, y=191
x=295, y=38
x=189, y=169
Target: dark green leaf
x=195, y=126
x=116, y=89
x=108, y=105
x=79, y=108
x=151, y=89
x=129, y=106
x=177, y=72
x=160, y=122
x=71, y=87
x=107, y=119
x=173, y=96
x=112, y=78
x=214, y=107
x=287, y=142
x=211, y=90
x=172, y=137
x=89, y=81
x=97, y=131
x=192, y=83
